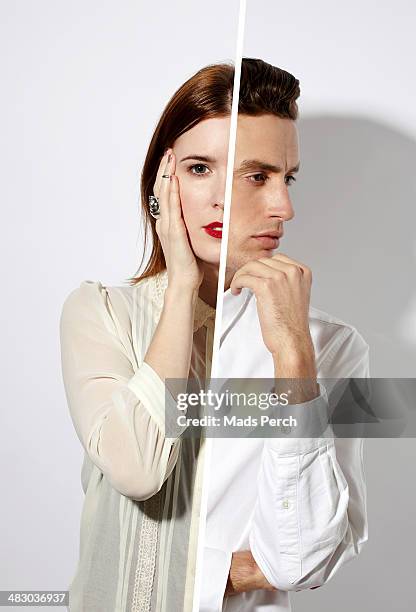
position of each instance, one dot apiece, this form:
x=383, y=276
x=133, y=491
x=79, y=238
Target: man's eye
x=198, y=169
x=290, y=178
x=258, y=178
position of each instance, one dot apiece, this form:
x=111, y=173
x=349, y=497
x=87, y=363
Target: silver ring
x=154, y=207
x=165, y=175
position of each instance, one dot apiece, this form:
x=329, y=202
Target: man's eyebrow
x=204, y=158
x=257, y=164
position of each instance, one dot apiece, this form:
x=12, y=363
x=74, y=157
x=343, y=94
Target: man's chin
x=235, y=263
x=259, y=253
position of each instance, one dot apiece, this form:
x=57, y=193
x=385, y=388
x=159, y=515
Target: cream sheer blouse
x=139, y=522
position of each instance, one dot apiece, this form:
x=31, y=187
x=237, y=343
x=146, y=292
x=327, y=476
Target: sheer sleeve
x=117, y=408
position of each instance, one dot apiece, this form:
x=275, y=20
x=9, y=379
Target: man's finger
x=285, y=266
x=250, y=281
x=285, y=258
x=255, y=267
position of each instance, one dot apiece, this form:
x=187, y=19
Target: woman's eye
x=290, y=178
x=198, y=169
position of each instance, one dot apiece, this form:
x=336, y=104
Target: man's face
x=267, y=156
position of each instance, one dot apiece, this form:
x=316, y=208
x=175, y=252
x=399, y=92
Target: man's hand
x=282, y=287
x=245, y=574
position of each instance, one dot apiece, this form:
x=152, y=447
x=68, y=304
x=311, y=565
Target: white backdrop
x=355, y=194
x=83, y=85
x=354, y=224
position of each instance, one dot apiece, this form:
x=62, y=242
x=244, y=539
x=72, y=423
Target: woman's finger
x=162, y=164
x=164, y=192
x=175, y=207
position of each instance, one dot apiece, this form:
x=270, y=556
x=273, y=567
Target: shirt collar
x=233, y=306
x=204, y=313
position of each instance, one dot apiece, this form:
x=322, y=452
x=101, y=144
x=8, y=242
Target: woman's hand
x=182, y=266
x=168, y=357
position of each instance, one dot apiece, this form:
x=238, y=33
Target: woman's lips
x=268, y=242
x=214, y=230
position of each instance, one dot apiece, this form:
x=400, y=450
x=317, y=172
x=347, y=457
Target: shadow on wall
x=354, y=225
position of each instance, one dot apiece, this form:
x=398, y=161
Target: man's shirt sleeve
x=310, y=516
x=216, y=567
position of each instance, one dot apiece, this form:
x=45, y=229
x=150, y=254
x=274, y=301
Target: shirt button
x=286, y=504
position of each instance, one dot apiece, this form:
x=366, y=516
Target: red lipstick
x=214, y=229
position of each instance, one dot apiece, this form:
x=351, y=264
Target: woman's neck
x=208, y=288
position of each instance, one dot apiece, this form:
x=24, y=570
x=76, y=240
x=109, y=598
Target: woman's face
x=201, y=167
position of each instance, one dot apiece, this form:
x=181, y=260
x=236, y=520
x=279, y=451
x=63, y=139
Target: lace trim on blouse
x=204, y=313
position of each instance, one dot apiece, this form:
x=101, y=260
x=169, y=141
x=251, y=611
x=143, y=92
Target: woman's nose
x=217, y=195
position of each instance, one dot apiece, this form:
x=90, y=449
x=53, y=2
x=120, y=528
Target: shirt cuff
x=216, y=567
x=155, y=396
x=313, y=429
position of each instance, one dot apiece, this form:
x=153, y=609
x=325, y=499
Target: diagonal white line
x=220, y=290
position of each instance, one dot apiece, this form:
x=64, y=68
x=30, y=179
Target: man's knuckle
x=279, y=276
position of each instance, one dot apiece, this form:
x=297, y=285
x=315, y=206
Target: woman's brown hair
x=208, y=93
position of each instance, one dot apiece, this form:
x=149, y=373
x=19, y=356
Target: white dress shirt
x=298, y=504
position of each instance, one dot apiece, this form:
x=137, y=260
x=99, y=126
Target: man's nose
x=279, y=204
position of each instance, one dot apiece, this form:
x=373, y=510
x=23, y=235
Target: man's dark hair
x=267, y=89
